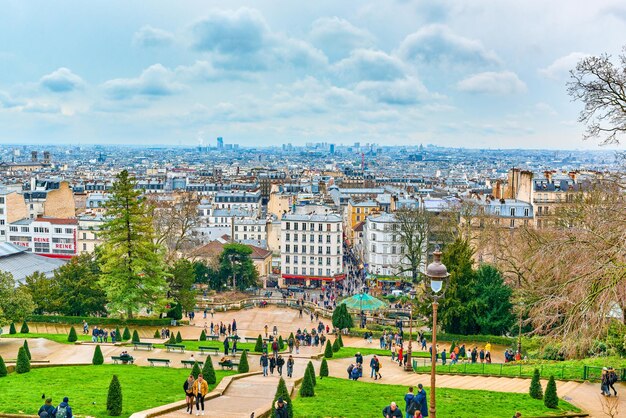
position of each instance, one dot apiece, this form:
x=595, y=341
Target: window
x=373, y=248
x=402, y=249
x=328, y=261
x=358, y=218
x=327, y=250
x=295, y=270
x=312, y=227
x=24, y=229
x=84, y=246
x=287, y=236
x=358, y=210
x=327, y=239
x=513, y=212
x=287, y=226
x=319, y=250
x=311, y=249
x=236, y=228
x=311, y=238
x=295, y=237
x=328, y=272
x=319, y=227
x=319, y=238
x=311, y=260
x=295, y=226
x=320, y=261
x=62, y=240
x=312, y=272
x=526, y=212
x=42, y=247
x=295, y=248
x=373, y=237
x=497, y=209
x=539, y=210
x=84, y=235
x=319, y=272
x=58, y=230
x=303, y=260
x=512, y=223
x=303, y=226
x=295, y=259
x=287, y=248
x=245, y=236
x=287, y=270
x=393, y=249
x=327, y=227
x=287, y=259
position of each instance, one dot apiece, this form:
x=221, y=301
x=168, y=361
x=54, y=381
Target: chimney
x=33, y=156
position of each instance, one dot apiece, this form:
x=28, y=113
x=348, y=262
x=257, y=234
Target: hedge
x=93, y=320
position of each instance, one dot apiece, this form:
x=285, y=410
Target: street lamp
x=408, y=366
x=437, y=277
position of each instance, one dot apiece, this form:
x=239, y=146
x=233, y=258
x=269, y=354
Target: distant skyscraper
x=357, y=145
x=220, y=142
x=332, y=149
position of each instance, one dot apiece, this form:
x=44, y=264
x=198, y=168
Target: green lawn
x=362, y=399
x=87, y=386
x=59, y=338
x=346, y=352
x=193, y=345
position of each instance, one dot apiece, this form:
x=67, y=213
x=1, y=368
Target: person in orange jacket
x=200, y=390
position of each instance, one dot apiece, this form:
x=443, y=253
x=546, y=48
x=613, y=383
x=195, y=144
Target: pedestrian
x=392, y=411
x=290, y=343
x=205, y=312
x=379, y=365
x=373, y=365
x=275, y=347
x=290, y=363
x=517, y=415
x=408, y=399
x=189, y=397
x=281, y=408
x=47, y=408
x=612, y=379
x=350, y=368
x=234, y=350
x=422, y=399
x=234, y=326
x=264, y=362
x=212, y=312
x=481, y=355
x=265, y=330
x=200, y=389
x=443, y=357
x=275, y=330
x=64, y=410
x=400, y=356
x=272, y=364
x=356, y=373
x=280, y=361
x=226, y=346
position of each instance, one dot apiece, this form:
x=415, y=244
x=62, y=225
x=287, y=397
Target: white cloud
x=337, y=37
x=438, y=44
x=545, y=109
x=61, y=81
x=8, y=102
x=149, y=37
x=496, y=83
x=397, y=92
x=365, y=64
x=154, y=81
x=561, y=66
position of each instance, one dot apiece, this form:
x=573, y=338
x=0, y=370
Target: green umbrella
x=363, y=301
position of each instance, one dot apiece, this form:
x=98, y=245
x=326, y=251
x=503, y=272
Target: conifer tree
x=340, y=340
x=157, y=334
x=307, y=389
x=98, y=358
x=281, y=343
x=208, y=372
x=118, y=335
x=172, y=339
x=136, y=337
x=12, y=329
x=328, y=352
x=258, y=347
x=195, y=371
x=243, y=363
x=126, y=335
x=536, y=391
x=282, y=392
x=72, y=337
x=23, y=363
x=3, y=368
x=114, y=398
x=24, y=329
x=179, y=339
x=27, y=350
x=203, y=336
x=551, y=399
x=324, y=368
x=336, y=346
x=311, y=370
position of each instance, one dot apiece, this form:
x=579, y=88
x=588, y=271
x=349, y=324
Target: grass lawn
x=362, y=399
x=346, y=352
x=87, y=386
x=59, y=338
x=192, y=345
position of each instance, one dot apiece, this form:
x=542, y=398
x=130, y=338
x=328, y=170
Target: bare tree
x=601, y=86
x=610, y=406
x=174, y=221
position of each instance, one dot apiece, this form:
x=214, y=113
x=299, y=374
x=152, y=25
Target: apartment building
x=382, y=247
x=51, y=237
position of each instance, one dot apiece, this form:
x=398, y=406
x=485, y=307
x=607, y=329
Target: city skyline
x=482, y=75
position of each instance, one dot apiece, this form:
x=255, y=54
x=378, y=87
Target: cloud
x=298, y=53
x=365, y=64
x=495, y=83
x=544, y=109
x=397, y=92
x=154, y=81
x=61, y=81
x=35, y=107
x=561, y=66
x=438, y=44
x=337, y=37
x=149, y=37
x=8, y=102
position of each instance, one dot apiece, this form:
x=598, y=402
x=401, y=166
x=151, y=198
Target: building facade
x=51, y=237
x=382, y=246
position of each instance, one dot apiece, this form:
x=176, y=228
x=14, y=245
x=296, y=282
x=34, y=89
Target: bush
x=281, y=343
x=551, y=400
x=342, y=318
x=195, y=371
x=258, y=347
x=24, y=329
x=3, y=368
x=23, y=363
x=27, y=350
x=172, y=339
x=328, y=352
x=282, y=392
x=336, y=346
x=72, y=337
x=452, y=346
x=179, y=339
x=136, y=337
x=307, y=390
x=208, y=372
x=203, y=336
x=114, y=398
x=98, y=358
x=340, y=340
x=324, y=369
x=176, y=312
x=97, y=320
x=311, y=370
x=12, y=329
x=243, y=363
x=551, y=352
x=126, y=335
x=536, y=392
x=118, y=335
x=157, y=334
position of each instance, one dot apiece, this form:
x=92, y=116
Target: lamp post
x=408, y=366
x=437, y=277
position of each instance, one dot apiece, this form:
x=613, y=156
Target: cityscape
x=385, y=200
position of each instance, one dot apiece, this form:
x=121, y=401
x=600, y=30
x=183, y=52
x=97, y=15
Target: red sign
x=38, y=239
x=64, y=246
x=21, y=244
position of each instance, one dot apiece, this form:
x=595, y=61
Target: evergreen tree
x=243, y=363
x=258, y=347
x=27, y=350
x=328, y=352
x=172, y=339
x=157, y=334
x=208, y=372
x=24, y=329
x=3, y=368
x=118, y=335
x=98, y=358
x=133, y=270
x=175, y=312
x=126, y=335
x=180, y=282
x=136, y=337
x=340, y=340
x=23, y=363
x=15, y=302
x=342, y=318
x=282, y=392
x=235, y=261
x=114, y=398
x=203, y=336
x=307, y=389
x=551, y=399
x=179, y=338
x=536, y=391
x=72, y=337
x=452, y=346
x=336, y=346
x=281, y=343
x=12, y=329
x=312, y=372
x=324, y=369
x=195, y=371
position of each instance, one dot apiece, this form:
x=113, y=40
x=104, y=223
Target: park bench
x=212, y=337
x=154, y=361
x=117, y=359
x=228, y=364
x=149, y=346
x=174, y=347
x=191, y=363
x=239, y=350
x=213, y=349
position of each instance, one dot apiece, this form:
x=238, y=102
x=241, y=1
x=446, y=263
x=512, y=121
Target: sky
x=477, y=74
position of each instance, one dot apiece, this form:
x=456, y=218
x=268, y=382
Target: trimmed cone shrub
x=23, y=363
x=281, y=343
x=196, y=370
x=172, y=339
x=27, y=350
x=258, y=347
x=536, y=392
x=179, y=339
x=290, y=336
x=311, y=370
x=203, y=336
x=551, y=399
x=324, y=369
x=98, y=358
x=136, y=337
x=307, y=390
x=340, y=340
x=452, y=346
x=12, y=329
x=114, y=398
x=3, y=368
x=118, y=335
x=126, y=335
x=282, y=392
x=72, y=337
x=24, y=329
x=157, y=334
x=243, y=363
x=336, y=346
x=328, y=352
x=208, y=372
